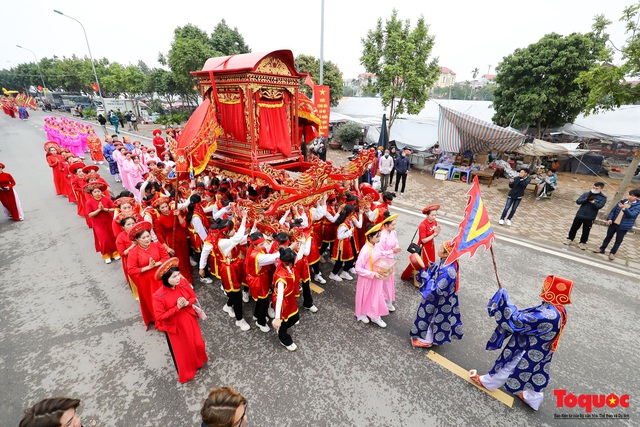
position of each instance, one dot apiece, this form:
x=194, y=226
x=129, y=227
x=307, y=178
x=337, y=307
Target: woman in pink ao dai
x=370, y=301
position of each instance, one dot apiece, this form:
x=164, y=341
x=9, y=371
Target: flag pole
x=495, y=267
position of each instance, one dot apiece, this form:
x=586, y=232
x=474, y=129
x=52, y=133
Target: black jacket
x=518, y=186
x=590, y=210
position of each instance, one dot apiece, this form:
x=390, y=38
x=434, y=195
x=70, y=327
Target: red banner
x=94, y=86
x=323, y=103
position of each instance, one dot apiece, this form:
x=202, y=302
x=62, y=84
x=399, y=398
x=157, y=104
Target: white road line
x=545, y=249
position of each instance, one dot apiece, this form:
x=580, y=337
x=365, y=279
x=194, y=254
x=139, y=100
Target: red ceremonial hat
x=90, y=168
x=166, y=266
x=92, y=186
x=157, y=132
x=66, y=155
x=432, y=207
x=160, y=200
x=49, y=144
x=124, y=215
x=73, y=168
x=557, y=290
x=91, y=176
x=124, y=200
x=139, y=227
x=416, y=262
x=2, y=165
x=448, y=246
x=367, y=190
x=151, y=161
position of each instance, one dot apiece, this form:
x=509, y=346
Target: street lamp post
x=90, y=56
x=37, y=63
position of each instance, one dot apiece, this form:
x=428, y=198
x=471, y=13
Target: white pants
x=492, y=382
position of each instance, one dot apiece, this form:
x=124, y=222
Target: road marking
x=548, y=250
x=499, y=395
x=315, y=288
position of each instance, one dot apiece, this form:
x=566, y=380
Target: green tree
x=163, y=83
x=349, y=133
x=399, y=57
x=332, y=76
x=610, y=84
x=120, y=80
x=536, y=85
x=227, y=41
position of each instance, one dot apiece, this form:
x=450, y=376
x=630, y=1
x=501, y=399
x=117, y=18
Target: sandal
x=473, y=376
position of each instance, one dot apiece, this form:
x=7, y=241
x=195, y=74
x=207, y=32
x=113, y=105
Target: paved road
x=71, y=327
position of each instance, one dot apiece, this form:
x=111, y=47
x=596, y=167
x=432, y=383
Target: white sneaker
x=192, y=262
x=206, y=280
x=335, y=277
x=107, y=261
x=229, y=310
x=582, y=246
x=116, y=258
x=264, y=328
x=271, y=312
x=509, y=222
x=312, y=309
x=390, y=306
x=346, y=275
x=292, y=347
x=363, y=319
x=379, y=322
x=352, y=270
x=318, y=278
x=501, y=222
x=245, y=296
x=243, y=325
x=568, y=242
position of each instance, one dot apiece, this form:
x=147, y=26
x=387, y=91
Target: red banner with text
x=323, y=103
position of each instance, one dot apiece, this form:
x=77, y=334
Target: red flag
x=94, y=86
x=475, y=229
x=40, y=88
x=309, y=81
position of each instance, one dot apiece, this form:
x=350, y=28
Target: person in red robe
x=124, y=246
x=173, y=310
x=158, y=141
x=171, y=228
x=427, y=232
x=100, y=210
x=71, y=196
x=285, y=288
x=95, y=147
x=8, y=196
x=77, y=186
x=142, y=263
x=55, y=162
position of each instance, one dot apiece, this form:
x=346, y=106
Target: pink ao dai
x=369, y=294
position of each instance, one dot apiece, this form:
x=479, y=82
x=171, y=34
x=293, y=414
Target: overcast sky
x=469, y=34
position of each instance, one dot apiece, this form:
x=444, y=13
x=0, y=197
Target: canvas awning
x=544, y=148
x=459, y=133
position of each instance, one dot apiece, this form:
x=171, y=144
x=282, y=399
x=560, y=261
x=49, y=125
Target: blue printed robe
x=532, y=330
x=107, y=151
x=439, y=309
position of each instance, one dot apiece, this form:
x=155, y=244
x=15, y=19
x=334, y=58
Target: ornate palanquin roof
x=279, y=62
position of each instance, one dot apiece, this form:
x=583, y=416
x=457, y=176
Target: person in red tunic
x=142, y=263
x=124, y=246
x=175, y=316
x=158, y=141
x=77, y=186
x=95, y=147
x=8, y=196
x=284, y=298
x=427, y=231
x=55, y=162
x=171, y=228
x=257, y=265
x=71, y=196
x=100, y=210
x=125, y=206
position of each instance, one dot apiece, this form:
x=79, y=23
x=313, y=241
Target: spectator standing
x=114, y=121
x=620, y=220
x=402, y=166
x=103, y=123
x=127, y=117
x=134, y=121
x=394, y=155
x=517, y=185
x=590, y=203
x=386, y=166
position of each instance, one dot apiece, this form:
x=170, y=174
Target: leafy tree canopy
x=536, y=85
x=399, y=57
x=331, y=75
x=610, y=85
x=227, y=41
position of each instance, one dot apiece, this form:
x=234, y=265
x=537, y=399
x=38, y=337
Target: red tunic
x=146, y=282
x=77, y=186
x=123, y=242
x=194, y=238
x=342, y=249
x=230, y=271
x=101, y=226
x=55, y=162
x=181, y=325
x=158, y=143
x=176, y=240
x=257, y=277
x=289, y=303
x=117, y=227
x=95, y=147
x=7, y=196
x=427, y=229
x=68, y=179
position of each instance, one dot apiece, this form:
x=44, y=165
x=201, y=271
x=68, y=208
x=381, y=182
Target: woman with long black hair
x=197, y=224
x=345, y=251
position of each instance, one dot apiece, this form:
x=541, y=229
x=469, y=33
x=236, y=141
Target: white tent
x=620, y=125
x=544, y=148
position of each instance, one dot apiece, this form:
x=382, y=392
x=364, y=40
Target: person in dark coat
x=517, y=185
x=590, y=203
x=402, y=166
x=620, y=220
